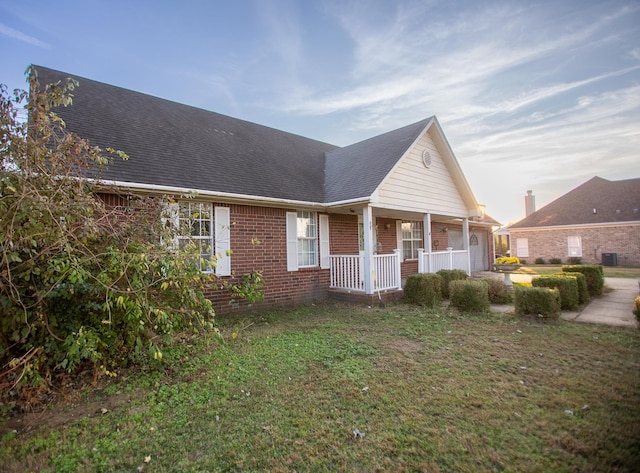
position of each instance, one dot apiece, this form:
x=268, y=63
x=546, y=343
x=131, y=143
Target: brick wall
x=343, y=234
x=621, y=239
x=258, y=241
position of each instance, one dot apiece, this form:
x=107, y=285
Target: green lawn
x=422, y=390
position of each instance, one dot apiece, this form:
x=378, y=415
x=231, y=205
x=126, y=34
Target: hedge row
x=466, y=295
x=593, y=273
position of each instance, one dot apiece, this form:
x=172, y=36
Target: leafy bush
x=574, y=260
x=423, y=289
x=498, y=291
x=541, y=301
x=636, y=307
x=567, y=287
x=555, y=261
x=449, y=275
x=469, y=295
x=507, y=260
x=82, y=285
x=594, y=274
x=539, y=260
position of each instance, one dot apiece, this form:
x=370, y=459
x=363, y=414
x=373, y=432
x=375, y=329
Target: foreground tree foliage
x=81, y=285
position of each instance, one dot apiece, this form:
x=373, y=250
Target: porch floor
x=343, y=295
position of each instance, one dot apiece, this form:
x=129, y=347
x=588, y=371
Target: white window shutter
x=222, y=235
x=292, y=241
x=325, y=262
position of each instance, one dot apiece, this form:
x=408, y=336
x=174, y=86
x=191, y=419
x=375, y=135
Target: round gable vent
x=426, y=158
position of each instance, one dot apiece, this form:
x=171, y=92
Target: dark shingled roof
x=613, y=201
x=175, y=145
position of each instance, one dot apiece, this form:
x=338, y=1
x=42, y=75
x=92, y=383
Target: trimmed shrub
x=583, y=288
x=449, y=275
x=423, y=289
x=498, y=291
x=574, y=260
x=567, y=287
x=636, y=307
x=469, y=295
x=594, y=274
x=555, y=261
x=540, y=301
x=539, y=260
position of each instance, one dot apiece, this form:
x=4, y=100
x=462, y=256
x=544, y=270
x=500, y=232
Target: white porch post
x=398, y=269
x=426, y=236
x=465, y=242
x=367, y=221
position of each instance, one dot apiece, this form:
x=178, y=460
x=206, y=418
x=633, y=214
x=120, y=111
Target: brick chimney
x=529, y=203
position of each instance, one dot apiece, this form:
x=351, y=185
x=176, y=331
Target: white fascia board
x=227, y=196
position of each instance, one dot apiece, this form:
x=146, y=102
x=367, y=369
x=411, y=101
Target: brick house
x=598, y=222
x=331, y=221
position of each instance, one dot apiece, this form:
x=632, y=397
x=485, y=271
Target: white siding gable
x=412, y=186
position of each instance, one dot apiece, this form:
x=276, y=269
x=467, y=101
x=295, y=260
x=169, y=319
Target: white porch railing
x=437, y=260
x=347, y=272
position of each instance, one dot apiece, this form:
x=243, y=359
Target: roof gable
x=175, y=146
x=357, y=170
x=597, y=201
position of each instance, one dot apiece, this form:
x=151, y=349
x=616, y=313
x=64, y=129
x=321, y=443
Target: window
x=195, y=221
x=208, y=229
x=307, y=233
x=307, y=229
x=411, y=239
x=522, y=247
x=574, y=244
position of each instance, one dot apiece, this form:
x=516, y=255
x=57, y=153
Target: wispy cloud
x=283, y=35
x=18, y=35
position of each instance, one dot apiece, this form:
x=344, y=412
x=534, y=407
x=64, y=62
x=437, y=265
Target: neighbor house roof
x=172, y=145
x=597, y=201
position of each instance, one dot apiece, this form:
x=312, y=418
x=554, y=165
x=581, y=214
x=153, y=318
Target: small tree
x=80, y=283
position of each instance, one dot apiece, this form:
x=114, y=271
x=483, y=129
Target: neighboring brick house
x=330, y=220
x=597, y=222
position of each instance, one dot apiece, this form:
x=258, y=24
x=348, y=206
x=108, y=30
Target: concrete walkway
x=613, y=308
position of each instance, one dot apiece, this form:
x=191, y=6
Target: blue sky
x=539, y=95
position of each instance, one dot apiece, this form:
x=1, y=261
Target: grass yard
x=345, y=388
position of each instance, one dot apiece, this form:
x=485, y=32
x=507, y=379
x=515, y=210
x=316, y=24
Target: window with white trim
x=522, y=247
x=412, y=239
x=574, y=246
x=307, y=235
x=207, y=228
x=307, y=240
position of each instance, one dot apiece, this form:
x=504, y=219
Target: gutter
x=227, y=196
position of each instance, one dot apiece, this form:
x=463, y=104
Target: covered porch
x=377, y=271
